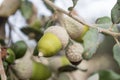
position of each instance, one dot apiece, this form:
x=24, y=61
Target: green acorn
x=10, y=58
x=58, y=61
x=74, y=52
x=54, y=39
x=19, y=49
x=26, y=68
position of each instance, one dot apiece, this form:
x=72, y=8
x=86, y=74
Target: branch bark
x=2, y=72
x=2, y=36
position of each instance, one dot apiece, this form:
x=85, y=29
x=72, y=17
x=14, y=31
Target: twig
x=117, y=41
x=81, y=21
x=63, y=11
x=2, y=72
x=10, y=35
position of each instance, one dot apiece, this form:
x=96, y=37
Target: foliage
x=115, y=13
x=101, y=38
x=116, y=55
x=26, y=9
x=108, y=75
x=74, y=4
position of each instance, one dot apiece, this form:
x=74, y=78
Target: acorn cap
x=74, y=52
x=23, y=68
x=9, y=7
x=61, y=33
x=73, y=27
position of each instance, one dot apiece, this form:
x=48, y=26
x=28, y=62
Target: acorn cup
x=9, y=7
x=54, y=39
x=75, y=29
x=19, y=48
x=74, y=52
x=27, y=68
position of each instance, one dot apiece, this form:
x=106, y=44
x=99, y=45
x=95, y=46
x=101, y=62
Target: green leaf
x=103, y=20
x=70, y=8
x=115, y=13
x=116, y=53
x=106, y=23
x=37, y=33
x=74, y=2
x=49, y=23
x=108, y=75
x=49, y=7
x=92, y=39
x=26, y=9
x=107, y=45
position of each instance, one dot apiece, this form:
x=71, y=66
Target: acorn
x=58, y=61
x=19, y=48
x=9, y=7
x=27, y=68
x=75, y=29
x=74, y=52
x=54, y=39
x=10, y=58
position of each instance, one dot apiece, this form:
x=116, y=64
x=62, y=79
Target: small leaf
x=108, y=75
x=49, y=23
x=116, y=53
x=26, y=9
x=103, y=20
x=30, y=30
x=70, y=8
x=115, y=13
x=49, y=7
x=92, y=39
x=106, y=23
x=74, y=2
x=67, y=68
